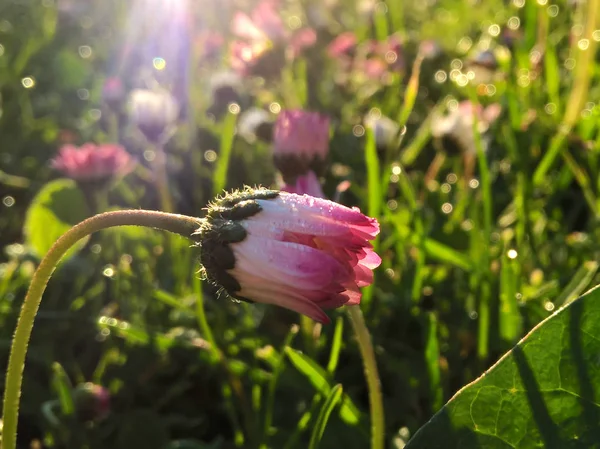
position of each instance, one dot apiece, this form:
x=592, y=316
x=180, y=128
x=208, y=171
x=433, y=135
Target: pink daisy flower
x=299, y=252
x=92, y=162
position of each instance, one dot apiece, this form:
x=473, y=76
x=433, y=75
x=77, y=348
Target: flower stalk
x=178, y=224
x=372, y=375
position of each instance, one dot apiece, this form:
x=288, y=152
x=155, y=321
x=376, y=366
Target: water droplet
x=210, y=155
x=95, y=114
x=149, y=155
x=85, y=51
x=28, y=82
x=456, y=64
x=583, y=44
x=83, y=94
x=159, y=63
x=275, y=108
x=569, y=63
x=549, y=306
x=294, y=22
x=447, y=208
x=358, y=130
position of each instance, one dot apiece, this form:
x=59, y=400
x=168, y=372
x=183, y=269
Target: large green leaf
x=544, y=393
x=56, y=208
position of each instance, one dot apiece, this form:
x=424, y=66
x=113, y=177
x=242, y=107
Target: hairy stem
x=372, y=375
x=178, y=224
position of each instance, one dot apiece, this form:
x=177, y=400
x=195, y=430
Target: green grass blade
x=336, y=345
x=62, y=386
x=332, y=400
x=578, y=283
x=222, y=166
x=318, y=377
x=432, y=358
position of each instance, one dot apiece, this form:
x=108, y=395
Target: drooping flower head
x=92, y=162
x=154, y=112
x=295, y=251
x=300, y=143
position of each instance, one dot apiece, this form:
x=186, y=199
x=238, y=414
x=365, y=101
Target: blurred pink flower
x=300, y=143
x=391, y=51
x=301, y=133
x=263, y=23
x=343, y=45
x=373, y=68
x=92, y=162
x=307, y=184
x=263, y=35
x=295, y=251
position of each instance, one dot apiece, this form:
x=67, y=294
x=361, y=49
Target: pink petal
x=371, y=259
x=303, y=213
x=297, y=265
x=307, y=184
x=279, y=295
x=363, y=275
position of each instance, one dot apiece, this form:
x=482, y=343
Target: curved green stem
x=370, y=364
x=178, y=224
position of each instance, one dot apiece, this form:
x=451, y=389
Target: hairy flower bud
x=303, y=253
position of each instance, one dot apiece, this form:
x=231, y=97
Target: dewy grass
x=178, y=224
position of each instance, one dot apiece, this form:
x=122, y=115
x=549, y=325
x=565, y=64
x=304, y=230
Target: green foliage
x=543, y=393
x=57, y=207
x=469, y=267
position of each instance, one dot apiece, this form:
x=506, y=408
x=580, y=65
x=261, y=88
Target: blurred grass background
x=470, y=263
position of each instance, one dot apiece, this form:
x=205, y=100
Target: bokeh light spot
x=210, y=155
x=159, y=63
x=85, y=51
x=8, y=201
x=28, y=82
